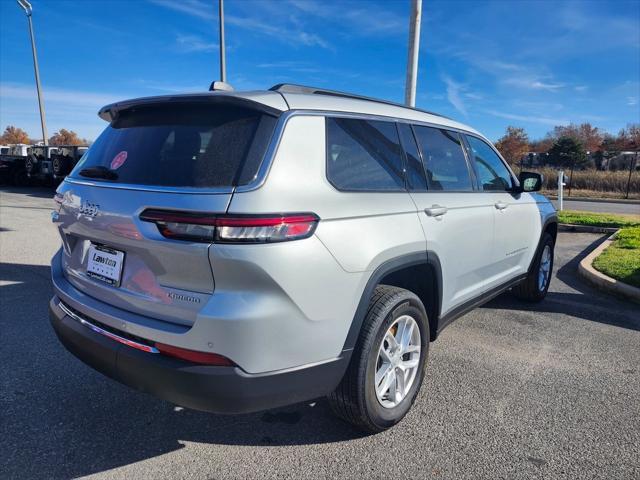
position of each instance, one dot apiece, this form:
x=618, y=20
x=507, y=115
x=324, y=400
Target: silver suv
x=238, y=251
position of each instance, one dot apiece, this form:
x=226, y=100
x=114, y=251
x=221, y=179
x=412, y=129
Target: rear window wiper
x=99, y=172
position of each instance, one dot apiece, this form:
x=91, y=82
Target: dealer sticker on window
x=105, y=264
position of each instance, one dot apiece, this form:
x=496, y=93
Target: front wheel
x=534, y=287
x=387, y=366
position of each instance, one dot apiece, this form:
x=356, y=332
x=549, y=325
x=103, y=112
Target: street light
x=223, y=63
x=26, y=6
x=414, y=47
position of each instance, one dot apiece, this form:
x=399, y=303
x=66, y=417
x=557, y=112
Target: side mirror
x=530, y=181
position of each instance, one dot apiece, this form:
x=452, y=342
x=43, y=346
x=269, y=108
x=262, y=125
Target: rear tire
x=377, y=360
x=31, y=165
x=61, y=165
x=534, y=287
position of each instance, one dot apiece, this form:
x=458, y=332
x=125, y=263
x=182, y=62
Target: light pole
x=412, y=59
x=223, y=62
x=26, y=6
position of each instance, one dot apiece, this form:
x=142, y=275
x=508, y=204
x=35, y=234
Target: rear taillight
x=205, y=227
x=193, y=356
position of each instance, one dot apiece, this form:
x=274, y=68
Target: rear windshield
x=180, y=145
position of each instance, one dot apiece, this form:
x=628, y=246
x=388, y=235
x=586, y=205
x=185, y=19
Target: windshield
x=180, y=145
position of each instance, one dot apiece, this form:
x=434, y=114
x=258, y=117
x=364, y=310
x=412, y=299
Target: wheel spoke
x=388, y=383
x=407, y=333
x=412, y=348
x=400, y=384
x=384, y=355
x=382, y=372
x=411, y=363
x=393, y=343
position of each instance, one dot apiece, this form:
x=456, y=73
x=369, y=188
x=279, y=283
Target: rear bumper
x=200, y=387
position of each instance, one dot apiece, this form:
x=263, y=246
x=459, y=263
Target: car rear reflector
x=210, y=228
x=193, y=356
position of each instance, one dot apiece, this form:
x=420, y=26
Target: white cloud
x=529, y=118
x=532, y=83
x=194, y=43
x=205, y=11
x=57, y=95
x=631, y=101
x=382, y=22
x=454, y=94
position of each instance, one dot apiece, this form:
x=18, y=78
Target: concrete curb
x=624, y=201
x=602, y=281
x=568, y=227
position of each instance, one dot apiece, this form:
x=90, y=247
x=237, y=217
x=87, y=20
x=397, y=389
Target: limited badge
x=118, y=160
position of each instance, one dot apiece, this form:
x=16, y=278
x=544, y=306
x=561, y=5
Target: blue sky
x=489, y=64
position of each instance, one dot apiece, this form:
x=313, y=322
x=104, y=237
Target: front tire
x=534, y=287
x=388, y=362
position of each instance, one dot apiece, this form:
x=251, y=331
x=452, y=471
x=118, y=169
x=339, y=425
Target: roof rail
x=293, y=88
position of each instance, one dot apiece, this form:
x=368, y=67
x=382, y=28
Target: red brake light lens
x=204, y=227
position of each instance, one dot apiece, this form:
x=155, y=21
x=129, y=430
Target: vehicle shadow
x=570, y=294
x=65, y=419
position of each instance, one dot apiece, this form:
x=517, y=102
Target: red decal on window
x=118, y=160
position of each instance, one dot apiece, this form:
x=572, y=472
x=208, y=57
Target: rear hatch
x=181, y=156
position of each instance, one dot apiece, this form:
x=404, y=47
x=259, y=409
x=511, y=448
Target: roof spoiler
x=110, y=112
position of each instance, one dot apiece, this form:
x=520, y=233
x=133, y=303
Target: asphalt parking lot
x=512, y=391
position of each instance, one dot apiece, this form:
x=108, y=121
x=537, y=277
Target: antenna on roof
x=220, y=86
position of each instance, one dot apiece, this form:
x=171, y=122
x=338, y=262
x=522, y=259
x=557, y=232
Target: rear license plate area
x=105, y=264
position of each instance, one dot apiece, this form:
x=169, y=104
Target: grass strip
x=621, y=260
x=598, y=219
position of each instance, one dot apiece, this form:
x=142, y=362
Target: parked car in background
x=38, y=162
x=63, y=161
x=239, y=251
x=12, y=164
x=50, y=165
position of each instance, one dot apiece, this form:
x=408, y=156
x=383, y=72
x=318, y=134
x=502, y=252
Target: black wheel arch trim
x=395, y=264
x=549, y=221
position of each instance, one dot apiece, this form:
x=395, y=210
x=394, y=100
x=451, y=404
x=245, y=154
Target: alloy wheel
x=398, y=361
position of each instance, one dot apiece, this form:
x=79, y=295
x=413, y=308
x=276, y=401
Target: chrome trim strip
x=113, y=336
x=148, y=188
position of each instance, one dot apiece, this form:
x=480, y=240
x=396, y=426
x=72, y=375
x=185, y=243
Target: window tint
x=182, y=145
x=363, y=155
x=416, y=179
x=444, y=160
x=493, y=175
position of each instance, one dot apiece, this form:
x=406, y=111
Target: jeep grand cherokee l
x=238, y=251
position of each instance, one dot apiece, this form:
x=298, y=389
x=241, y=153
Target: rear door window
x=444, y=161
x=364, y=155
x=493, y=175
x=181, y=145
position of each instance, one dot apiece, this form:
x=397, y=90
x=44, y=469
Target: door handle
x=501, y=206
x=435, y=211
